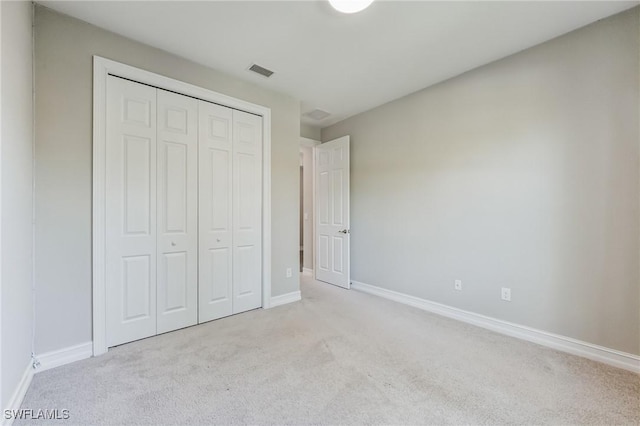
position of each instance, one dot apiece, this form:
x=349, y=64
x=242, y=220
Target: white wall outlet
x=289, y=273
x=306, y=216
x=457, y=285
x=506, y=294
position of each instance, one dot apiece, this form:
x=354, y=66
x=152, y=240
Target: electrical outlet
x=506, y=294
x=289, y=273
x=458, y=285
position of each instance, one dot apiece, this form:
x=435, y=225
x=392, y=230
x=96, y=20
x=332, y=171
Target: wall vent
x=261, y=70
x=318, y=114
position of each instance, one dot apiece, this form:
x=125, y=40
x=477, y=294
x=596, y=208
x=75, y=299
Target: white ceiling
x=342, y=64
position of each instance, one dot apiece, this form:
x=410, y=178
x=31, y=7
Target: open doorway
x=306, y=205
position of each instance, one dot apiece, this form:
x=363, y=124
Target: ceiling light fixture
x=350, y=6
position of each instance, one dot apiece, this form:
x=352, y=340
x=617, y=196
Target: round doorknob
x=173, y=244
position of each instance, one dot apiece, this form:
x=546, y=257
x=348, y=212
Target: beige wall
x=63, y=49
x=310, y=132
x=17, y=195
x=524, y=174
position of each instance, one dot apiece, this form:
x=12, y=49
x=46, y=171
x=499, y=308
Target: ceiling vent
x=261, y=70
x=318, y=114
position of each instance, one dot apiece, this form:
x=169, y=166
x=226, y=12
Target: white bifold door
x=230, y=211
x=183, y=211
x=131, y=162
x=177, y=211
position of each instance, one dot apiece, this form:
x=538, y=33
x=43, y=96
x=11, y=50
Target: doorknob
x=344, y=231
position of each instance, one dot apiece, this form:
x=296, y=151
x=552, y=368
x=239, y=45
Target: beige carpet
x=337, y=357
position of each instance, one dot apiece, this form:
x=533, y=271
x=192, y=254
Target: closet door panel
x=215, y=212
x=177, y=204
x=130, y=214
x=247, y=211
x=183, y=211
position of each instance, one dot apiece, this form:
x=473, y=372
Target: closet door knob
x=173, y=244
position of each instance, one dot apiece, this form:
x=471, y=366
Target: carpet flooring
x=336, y=357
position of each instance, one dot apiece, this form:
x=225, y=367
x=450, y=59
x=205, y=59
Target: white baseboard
x=602, y=354
x=283, y=299
x=47, y=361
x=64, y=356
x=307, y=271
x=18, y=395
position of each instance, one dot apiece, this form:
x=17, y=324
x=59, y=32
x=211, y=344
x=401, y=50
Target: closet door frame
x=102, y=68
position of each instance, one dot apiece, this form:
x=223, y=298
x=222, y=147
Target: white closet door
x=177, y=204
x=215, y=212
x=247, y=211
x=130, y=211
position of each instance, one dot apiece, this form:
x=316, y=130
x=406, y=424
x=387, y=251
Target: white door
x=332, y=212
x=130, y=211
x=177, y=211
x=184, y=211
x=230, y=211
x=247, y=211
x=215, y=211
